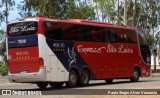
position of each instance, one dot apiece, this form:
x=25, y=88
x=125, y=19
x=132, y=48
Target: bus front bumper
x=28, y=77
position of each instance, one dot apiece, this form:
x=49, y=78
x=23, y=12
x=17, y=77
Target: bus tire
x=73, y=79
x=109, y=81
x=42, y=85
x=136, y=74
x=56, y=84
x=84, y=78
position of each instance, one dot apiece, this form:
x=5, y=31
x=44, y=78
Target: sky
x=13, y=14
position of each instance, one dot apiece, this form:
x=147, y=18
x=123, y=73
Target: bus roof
x=95, y=23
x=74, y=21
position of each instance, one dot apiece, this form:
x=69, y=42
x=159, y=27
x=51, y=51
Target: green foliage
x=82, y=10
x=106, y=10
x=59, y=9
x=2, y=44
x=146, y=14
x=3, y=12
x=150, y=39
x=150, y=10
x=3, y=69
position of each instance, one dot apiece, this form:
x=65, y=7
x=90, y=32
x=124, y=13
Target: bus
x=46, y=51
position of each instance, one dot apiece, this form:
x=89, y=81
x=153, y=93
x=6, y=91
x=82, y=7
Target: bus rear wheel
x=84, y=78
x=109, y=81
x=135, y=76
x=56, y=84
x=42, y=85
x=73, y=79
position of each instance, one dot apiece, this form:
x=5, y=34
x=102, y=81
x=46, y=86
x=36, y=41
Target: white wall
x=152, y=61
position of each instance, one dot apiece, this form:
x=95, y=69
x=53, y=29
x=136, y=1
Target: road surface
x=144, y=83
x=95, y=89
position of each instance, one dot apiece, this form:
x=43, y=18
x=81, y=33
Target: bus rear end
x=24, y=61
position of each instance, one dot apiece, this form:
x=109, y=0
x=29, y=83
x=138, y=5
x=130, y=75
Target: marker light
x=41, y=62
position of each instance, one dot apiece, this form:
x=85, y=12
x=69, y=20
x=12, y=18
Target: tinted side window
x=112, y=36
x=83, y=33
x=59, y=31
x=67, y=31
x=127, y=36
x=99, y=34
x=132, y=35
x=117, y=35
x=58, y=34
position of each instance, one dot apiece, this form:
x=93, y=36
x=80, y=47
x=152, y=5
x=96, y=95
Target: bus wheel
x=42, y=85
x=56, y=84
x=73, y=78
x=109, y=81
x=135, y=76
x=84, y=78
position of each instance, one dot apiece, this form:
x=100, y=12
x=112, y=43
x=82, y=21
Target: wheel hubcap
x=73, y=78
x=136, y=74
x=84, y=78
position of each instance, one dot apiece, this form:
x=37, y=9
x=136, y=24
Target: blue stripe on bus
x=23, y=41
x=68, y=56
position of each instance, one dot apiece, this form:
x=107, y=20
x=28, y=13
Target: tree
x=81, y=10
x=134, y=13
x=125, y=12
x=144, y=14
x=7, y=5
x=2, y=44
x=105, y=10
x=152, y=9
x=118, y=14
x=59, y=9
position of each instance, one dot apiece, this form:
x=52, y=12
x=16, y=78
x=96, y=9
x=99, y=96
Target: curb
x=4, y=79
x=8, y=84
x=155, y=75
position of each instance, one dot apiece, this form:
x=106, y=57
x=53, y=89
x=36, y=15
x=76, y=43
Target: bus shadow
x=90, y=85
x=46, y=89
x=120, y=82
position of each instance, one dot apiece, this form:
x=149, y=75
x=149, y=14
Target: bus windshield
x=144, y=47
x=22, y=28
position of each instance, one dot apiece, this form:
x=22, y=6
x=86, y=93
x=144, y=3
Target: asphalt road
x=97, y=85
x=96, y=89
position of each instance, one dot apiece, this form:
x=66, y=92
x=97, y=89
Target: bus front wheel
x=135, y=76
x=73, y=79
x=42, y=85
